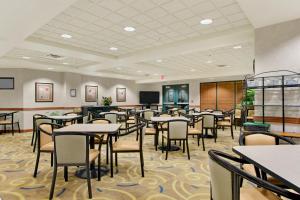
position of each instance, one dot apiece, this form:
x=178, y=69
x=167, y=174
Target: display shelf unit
x=277, y=95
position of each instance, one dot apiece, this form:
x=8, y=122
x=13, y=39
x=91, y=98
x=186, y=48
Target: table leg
x=111, y=157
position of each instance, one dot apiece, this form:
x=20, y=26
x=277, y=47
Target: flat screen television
x=149, y=97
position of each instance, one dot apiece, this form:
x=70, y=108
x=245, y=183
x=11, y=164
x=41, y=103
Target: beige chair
x=38, y=119
x=44, y=142
x=250, y=115
x=227, y=122
x=195, y=129
x=105, y=136
x=209, y=123
x=9, y=119
x=262, y=138
x=177, y=130
x=112, y=117
x=237, y=116
x=131, y=146
x=150, y=130
x=225, y=179
x=72, y=149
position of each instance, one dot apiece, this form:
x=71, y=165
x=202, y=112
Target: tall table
x=157, y=120
x=280, y=161
x=93, y=129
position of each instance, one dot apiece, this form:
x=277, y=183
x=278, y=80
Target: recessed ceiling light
x=155, y=74
x=129, y=28
x=206, y=21
x=67, y=36
x=65, y=63
x=237, y=47
x=209, y=61
x=113, y=48
x=223, y=66
x=50, y=68
x=139, y=71
x=192, y=70
x=25, y=57
x=159, y=60
x=119, y=68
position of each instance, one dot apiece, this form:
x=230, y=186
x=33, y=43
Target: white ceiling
x=169, y=30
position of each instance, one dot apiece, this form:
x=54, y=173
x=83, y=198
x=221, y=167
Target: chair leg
x=203, y=143
x=89, y=180
x=35, y=142
x=36, y=164
x=235, y=124
x=19, y=127
x=198, y=138
x=107, y=152
x=231, y=128
x=187, y=148
x=53, y=182
x=99, y=166
x=116, y=159
x=168, y=147
x=12, y=129
x=183, y=148
x=111, y=158
x=66, y=173
x=142, y=162
x=162, y=144
x=156, y=141
x=215, y=134
x=32, y=137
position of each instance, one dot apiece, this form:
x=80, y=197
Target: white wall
x=277, y=47
x=24, y=94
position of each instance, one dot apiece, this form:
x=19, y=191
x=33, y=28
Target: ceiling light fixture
x=139, y=71
x=65, y=63
x=50, y=68
x=129, y=29
x=66, y=36
x=192, y=70
x=119, y=68
x=155, y=74
x=26, y=57
x=209, y=61
x=159, y=60
x=113, y=48
x=206, y=21
x=237, y=47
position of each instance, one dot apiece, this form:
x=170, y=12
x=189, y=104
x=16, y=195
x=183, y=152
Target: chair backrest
x=148, y=114
x=220, y=181
x=112, y=117
x=100, y=121
x=45, y=133
x=250, y=113
x=182, y=111
x=209, y=121
x=199, y=123
x=71, y=148
x=177, y=129
x=262, y=138
x=238, y=113
x=165, y=115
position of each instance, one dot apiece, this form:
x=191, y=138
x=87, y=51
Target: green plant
x=249, y=98
x=106, y=101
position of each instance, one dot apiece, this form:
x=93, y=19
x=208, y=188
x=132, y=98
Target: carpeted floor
x=177, y=178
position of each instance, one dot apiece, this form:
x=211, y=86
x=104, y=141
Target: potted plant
x=106, y=101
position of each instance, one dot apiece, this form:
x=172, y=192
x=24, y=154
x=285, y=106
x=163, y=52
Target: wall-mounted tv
x=149, y=97
x=7, y=83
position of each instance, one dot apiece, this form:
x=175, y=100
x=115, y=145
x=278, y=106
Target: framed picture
x=91, y=93
x=72, y=92
x=43, y=92
x=7, y=83
x=121, y=94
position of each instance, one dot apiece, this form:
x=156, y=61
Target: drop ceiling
x=167, y=30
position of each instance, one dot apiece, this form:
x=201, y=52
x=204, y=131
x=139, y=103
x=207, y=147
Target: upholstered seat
x=126, y=145
x=7, y=121
x=49, y=147
x=224, y=123
x=194, y=131
x=150, y=131
x=130, y=121
x=257, y=194
x=93, y=154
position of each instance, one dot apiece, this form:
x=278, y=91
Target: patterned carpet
x=174, y=179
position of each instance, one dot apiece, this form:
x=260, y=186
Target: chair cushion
x=259, y=139
x=150, y=131
x=7, y=121
x=93, y=154
x=194, y=131
x=49, y=147
x=257, y=193
x=126, y=145
x=224, y=123
x=130, y=121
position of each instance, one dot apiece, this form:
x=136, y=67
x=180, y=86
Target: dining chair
x=226, y=122
x=250, y=138
x=73, y=149
x=195, y=129
x=150, y=130
x=209, y=123
x=130, y=146
x=44, y=142
x=237, y=116
x=225, y=179
x=112, y=117
x=177, y=130
x=10, y=119
x=72, y=121
x=105, y=136
x=34, y=127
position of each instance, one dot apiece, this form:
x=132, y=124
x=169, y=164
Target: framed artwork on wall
x=72, y=92
x=121, y=94
x=43, y=92
x=91, y=93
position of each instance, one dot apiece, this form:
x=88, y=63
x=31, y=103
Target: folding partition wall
x=221, y=95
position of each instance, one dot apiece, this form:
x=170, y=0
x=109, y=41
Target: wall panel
x=208, y=95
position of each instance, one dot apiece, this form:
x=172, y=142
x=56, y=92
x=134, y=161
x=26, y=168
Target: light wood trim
x=290, y=134
x=288, y=120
